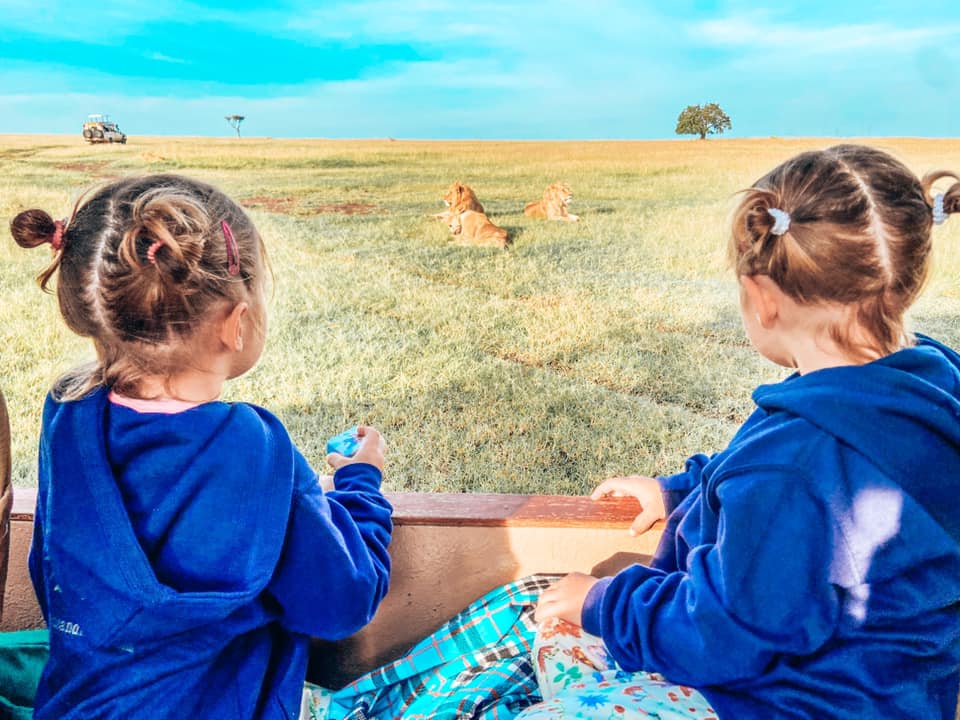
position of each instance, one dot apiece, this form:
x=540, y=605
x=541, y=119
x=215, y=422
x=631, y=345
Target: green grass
x=611, y=346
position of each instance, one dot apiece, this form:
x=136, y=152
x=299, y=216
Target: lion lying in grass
x=553, y=204
x=476, y=229
x=459, y=197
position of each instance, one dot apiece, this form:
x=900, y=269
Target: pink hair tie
x=233, y=251
x=56, y=242
x=152, y=251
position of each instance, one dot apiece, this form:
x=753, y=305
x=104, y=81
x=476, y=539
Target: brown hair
x=142, y=263
x=859, y=235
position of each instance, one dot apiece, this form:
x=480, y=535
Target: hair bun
x=951, y=200
x=32, y=228
x=166, y=232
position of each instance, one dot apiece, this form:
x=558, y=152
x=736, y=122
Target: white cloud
x=110, y=20
x=496, y=69
x=758, y=31
x=76, y=21
x=166, y=58
x=463, y=75
x=525, y=29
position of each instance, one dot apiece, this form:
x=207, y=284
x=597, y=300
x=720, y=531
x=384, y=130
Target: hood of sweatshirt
x=129, y=504
x=901, y=412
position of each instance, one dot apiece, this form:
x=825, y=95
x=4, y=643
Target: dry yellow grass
x=607, y=346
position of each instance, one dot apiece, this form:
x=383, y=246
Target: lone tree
x=702, y=120
x=235, y=121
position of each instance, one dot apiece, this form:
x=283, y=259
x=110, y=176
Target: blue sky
x=490, y=70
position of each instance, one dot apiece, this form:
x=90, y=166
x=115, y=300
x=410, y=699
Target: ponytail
x=33, y=228
x=942, y=204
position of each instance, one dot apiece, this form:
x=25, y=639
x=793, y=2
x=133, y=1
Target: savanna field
x=585, y=350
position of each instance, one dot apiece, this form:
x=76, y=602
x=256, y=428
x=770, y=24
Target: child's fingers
x=644, y=521
x=544, y=610
x=611, y=487
x=607, y=487
x=336, y=460
x=548, y=606
x=368, y=433
x=372, y=447
x=599, y=491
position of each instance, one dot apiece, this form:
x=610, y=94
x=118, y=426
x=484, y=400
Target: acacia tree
x=235, y=121
x=702, y=120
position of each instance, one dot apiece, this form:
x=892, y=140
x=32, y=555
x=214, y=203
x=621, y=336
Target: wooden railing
x=447, y=550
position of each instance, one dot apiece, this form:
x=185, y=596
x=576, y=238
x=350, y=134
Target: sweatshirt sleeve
x=676, y=487
x=35, y=558
x=762, y=589
x=334, y=567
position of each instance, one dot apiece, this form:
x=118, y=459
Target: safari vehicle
x=101, y=129
x=480, y=540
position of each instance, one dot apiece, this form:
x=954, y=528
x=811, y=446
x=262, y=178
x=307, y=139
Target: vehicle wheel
x=123, y=142
x=98, y=134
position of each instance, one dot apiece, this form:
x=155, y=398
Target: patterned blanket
x=477, y=665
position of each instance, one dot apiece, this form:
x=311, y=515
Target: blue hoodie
x=812, y=568
x=182, y=561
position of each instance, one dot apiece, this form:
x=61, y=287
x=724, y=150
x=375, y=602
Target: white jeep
x=101, y=129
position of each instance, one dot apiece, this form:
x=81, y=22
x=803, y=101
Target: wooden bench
x=447, y=550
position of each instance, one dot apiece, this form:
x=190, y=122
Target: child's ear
x=764, y=295
x=231, y=332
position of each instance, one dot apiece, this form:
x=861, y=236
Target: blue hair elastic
x=939, y=216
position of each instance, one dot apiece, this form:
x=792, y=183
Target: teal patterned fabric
x=477, y=665
x=22, y=657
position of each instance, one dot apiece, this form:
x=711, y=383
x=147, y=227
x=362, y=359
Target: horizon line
x=714, y=138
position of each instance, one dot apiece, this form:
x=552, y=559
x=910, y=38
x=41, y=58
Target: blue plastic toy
x=346, y=443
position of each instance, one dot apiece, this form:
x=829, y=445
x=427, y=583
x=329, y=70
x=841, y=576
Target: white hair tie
x=781, y=221
x=939, y=216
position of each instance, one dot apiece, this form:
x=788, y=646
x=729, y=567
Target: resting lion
x=476, y=228
x=553, y=204
x=459, y=197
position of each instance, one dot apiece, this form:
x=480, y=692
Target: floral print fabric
x=578, y=679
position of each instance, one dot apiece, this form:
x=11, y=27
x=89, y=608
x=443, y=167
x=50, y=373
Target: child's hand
x=564, y=599
x=645, y=489
x=371, y=450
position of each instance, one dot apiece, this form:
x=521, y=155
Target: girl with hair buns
x=184, y=550
x=812, y=568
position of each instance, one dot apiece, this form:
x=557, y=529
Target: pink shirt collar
x=165, y=406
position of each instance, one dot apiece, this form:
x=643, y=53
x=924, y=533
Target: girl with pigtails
x=812, y=568
x=184, y=551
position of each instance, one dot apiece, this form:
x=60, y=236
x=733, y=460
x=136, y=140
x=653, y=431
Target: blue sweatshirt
x=183, y=561
x=812, y=568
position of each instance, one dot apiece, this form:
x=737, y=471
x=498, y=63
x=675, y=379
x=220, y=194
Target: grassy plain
x=611, y=346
